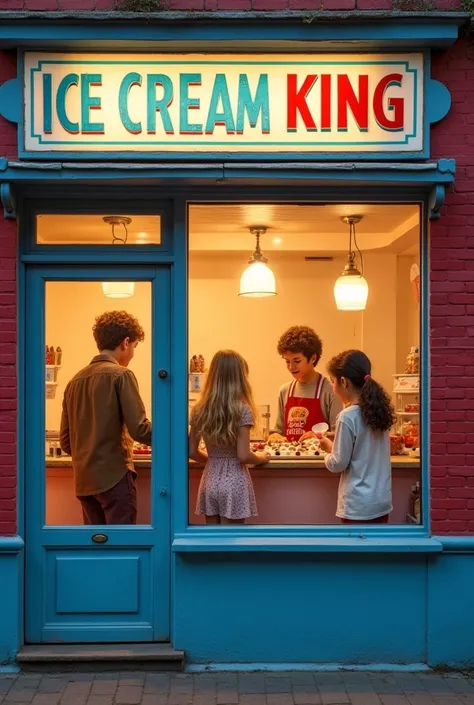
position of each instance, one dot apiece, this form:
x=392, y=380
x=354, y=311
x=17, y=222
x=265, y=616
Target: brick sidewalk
x=339, y=688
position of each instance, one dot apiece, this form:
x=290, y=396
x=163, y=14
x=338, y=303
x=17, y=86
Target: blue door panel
x=78, y=590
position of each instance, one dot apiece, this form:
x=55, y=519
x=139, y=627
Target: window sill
x=252, y=544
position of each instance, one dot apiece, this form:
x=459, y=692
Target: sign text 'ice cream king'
x=223, y=103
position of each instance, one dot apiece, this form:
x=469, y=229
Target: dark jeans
x=378, y=520
x=115, y=506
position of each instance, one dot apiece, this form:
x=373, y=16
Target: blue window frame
x=423, y=184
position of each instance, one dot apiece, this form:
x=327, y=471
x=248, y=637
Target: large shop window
x=250, y=308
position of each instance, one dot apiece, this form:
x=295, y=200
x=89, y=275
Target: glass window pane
x=71, y=310
x=307, y=247
x=106, y=229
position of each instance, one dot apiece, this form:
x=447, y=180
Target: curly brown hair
x=112, y=327
x=375, y=404
x=301, y=339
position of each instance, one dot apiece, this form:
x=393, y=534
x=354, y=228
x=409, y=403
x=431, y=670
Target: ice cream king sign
x=233, y=104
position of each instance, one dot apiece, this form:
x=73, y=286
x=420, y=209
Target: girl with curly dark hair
x=361, y=449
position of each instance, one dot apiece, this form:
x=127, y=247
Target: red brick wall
x=452, y=296
x=8, y=347
x=452, y=307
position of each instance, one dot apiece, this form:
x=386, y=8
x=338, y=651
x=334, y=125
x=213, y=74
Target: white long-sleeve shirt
x=363, y=458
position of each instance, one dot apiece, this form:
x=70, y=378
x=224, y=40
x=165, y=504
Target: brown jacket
x=102, y=409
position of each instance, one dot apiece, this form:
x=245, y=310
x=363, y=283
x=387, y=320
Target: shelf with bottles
x=53, y=359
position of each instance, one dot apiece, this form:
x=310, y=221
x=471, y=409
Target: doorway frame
x=79, y=263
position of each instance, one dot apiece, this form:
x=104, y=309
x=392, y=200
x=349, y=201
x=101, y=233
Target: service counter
x=287, y=491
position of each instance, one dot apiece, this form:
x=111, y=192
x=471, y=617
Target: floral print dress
x=226, y=487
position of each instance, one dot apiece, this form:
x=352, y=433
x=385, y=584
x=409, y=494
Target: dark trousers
x=378, y=520
x=115, y=506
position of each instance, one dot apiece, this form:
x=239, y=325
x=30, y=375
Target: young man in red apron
x=309, y=399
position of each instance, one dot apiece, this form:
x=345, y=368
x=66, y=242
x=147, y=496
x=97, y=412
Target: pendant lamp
x=257, y=279
x=118, y=290
x=351, y=289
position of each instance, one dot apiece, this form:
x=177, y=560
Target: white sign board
x=237, y=104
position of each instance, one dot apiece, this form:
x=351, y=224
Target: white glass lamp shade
x=118, y=290
x=351, y=292
x=257, y=281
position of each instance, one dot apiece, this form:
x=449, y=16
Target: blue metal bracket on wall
x=7, y=198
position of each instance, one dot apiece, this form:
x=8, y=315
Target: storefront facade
x=243, y=101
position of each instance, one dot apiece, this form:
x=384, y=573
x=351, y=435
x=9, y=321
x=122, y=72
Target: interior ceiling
x=300, y=228
x=314, y=230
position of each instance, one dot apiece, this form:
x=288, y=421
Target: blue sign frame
x=436, y=104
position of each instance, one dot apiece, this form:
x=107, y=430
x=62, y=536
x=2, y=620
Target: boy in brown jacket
x=102, y=412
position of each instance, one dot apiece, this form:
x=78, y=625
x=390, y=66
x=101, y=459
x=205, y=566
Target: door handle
x=163, y=492
x=162, y=374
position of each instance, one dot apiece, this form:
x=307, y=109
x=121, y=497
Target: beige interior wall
x=219, y=318
x=408, y=312
x=71, y=308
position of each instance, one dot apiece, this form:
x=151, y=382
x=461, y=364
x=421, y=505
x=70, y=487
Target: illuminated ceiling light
x=257, y=279
x=118, y=290
x=351, y=289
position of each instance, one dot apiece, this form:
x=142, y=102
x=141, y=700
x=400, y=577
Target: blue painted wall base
x=11, y=607
x=324, y=609
x=308, y=610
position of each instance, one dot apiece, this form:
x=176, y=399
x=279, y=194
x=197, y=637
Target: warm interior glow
x=257, y=281
x=351, y=293
x=118, y=290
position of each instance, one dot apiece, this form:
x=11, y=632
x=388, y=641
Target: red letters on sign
x=395, y=106
x=359, y=105
x=297, y=101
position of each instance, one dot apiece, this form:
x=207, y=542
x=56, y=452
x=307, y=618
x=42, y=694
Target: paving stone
x=253, y=699
x=364, y=698
x=301, y=678
x=280, y=699
x=100, y=700
x=104, y=687
x=46, y=699
x=20, y=695
x=129, y=695
x=153, y=699
x=460, y=684
x=277, y=685
x=251, y=683
x=52, y=685
x=394, y=699
x=132, y=678
x=306, y=695
x=332, y=694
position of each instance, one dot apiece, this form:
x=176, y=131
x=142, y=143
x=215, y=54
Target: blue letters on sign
x=186, y=103
x=47, y=103
x=261, y=103
x=131, y=79
x=220, y=94
x=162, y=105
x=89, y=103
x=72, y=79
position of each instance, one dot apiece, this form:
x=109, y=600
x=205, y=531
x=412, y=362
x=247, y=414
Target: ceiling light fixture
x=257, y=280
x=351, y=289
x=118, y=290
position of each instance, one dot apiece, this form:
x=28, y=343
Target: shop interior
x=307, y=247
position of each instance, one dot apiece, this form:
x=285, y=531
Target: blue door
x=86, y=583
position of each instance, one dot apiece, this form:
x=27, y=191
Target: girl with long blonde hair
x=223, y=418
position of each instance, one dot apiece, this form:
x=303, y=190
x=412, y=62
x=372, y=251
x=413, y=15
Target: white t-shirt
x=363, y=458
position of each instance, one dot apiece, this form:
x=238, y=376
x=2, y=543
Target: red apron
x=302, y=414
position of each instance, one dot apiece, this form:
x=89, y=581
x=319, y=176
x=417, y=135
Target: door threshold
x=100, y=657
